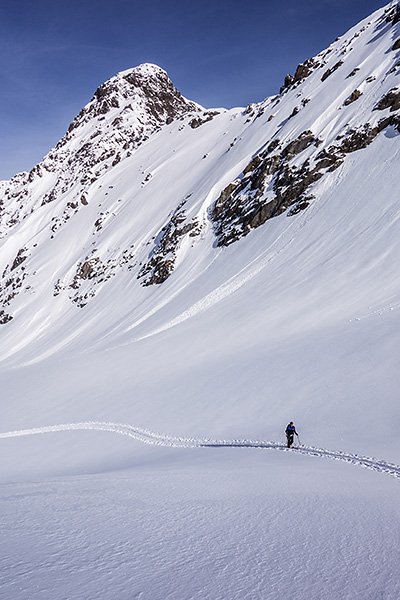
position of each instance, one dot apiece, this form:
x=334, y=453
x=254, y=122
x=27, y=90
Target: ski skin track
x=148, y=437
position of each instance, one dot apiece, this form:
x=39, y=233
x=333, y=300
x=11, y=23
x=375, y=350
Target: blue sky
x=54, y=54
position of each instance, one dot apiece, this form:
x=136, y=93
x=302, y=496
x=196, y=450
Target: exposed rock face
x=273, y=182
x=4, y=317
x=122, y=114
x=391, y=100
x=158, y=96
x=91, y=273
x=303, y=70
x=354, y=71
x=270, y=185
x=267, y=187
x=162, y=258
x=11, y=283
x=19, y=259
x=353, y=97
x=393, y=15
x=205, y=118
x=329, y=72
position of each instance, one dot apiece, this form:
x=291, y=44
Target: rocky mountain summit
x=122, y=114
x=145, y=181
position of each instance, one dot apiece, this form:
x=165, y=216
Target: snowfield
x=203, y=523
x=149, y=370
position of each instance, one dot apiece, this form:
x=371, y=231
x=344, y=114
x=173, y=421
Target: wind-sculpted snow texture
x=157, y=439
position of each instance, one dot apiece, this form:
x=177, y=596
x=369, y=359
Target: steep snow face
x=336, y=104
x=177, y=251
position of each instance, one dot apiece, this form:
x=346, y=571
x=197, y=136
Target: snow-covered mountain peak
x=122, y=114
x=142, y=96
x=145, y=69
x=144, y=74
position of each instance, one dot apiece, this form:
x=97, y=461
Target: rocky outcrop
x=123, y=112
x=266, y=188
x=204, y=118
x=162, y=258
x=146, y=85
x=390, y=100
x=353, y=97
x=396, y=45
x=272, y=183
x=329, y=72
x=19, y=259
x=353, y=72
x=4, y=317
x=303, y=70
x=12, y=283
x=91, y=273
x=393, y=15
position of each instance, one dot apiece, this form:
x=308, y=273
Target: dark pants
x=290, y=437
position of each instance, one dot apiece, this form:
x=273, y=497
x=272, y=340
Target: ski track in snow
x=156, y=439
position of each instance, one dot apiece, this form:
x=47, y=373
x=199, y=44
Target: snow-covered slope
x=199, y=277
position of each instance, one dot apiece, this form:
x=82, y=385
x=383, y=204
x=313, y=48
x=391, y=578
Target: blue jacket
x=290, y=430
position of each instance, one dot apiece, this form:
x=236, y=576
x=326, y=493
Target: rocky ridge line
x=122, y=114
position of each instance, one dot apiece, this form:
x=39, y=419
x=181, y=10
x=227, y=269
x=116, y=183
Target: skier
x=290, y=432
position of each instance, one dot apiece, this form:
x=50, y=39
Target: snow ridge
x=156, y=439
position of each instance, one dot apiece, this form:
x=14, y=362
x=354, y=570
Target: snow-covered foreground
x=204, y=523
